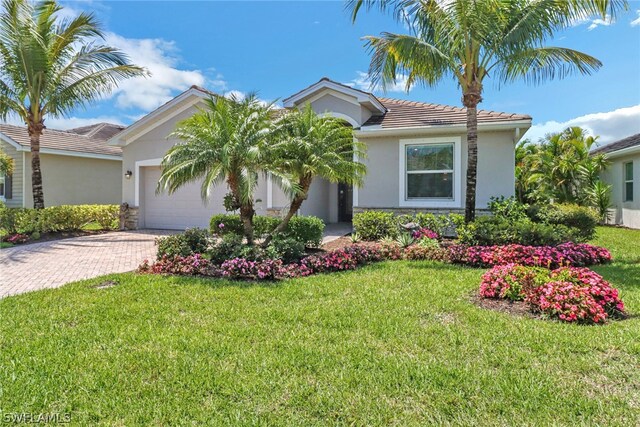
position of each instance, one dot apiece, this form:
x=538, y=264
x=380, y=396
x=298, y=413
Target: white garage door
x=182, y=209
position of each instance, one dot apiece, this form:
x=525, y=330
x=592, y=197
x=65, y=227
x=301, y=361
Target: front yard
x=392, y=343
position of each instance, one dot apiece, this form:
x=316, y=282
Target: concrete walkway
x=51, y=264
x=335, y=231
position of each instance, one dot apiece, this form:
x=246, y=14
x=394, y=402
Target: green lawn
x=394, y=343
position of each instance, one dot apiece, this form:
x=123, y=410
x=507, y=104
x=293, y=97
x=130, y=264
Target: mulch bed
x=515, y=308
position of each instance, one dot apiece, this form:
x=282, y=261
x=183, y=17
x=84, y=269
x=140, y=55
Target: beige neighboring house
x=78, y=166
x=624, y=177
x=416, y=159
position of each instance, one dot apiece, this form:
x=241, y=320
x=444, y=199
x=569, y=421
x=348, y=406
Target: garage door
x=182, y=209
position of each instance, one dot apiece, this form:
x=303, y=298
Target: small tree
x=226, y=141
x=49, y=66
x=6, y=164
x=308, y=146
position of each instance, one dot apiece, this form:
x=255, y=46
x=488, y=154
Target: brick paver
x=51, y=264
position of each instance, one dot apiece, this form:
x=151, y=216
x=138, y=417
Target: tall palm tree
x=226, y=141
x=308, y=146
x=471, y=40
x=50, y=66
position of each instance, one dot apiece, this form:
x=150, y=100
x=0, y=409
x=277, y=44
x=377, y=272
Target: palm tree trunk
x=246, y=209
x=471, y=99
x=296, y=203
x=35, y=131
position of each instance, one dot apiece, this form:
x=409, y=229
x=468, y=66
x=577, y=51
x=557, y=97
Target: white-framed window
x=430, y=172
x=2, y=185
x=627, y=171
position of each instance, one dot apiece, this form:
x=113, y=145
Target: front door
x=345, y=203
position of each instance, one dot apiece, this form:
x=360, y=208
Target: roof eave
x=377, y=130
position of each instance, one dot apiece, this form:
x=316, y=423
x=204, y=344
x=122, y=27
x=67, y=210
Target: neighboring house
x=417, y=159
x=78, y=167
x=624, y=177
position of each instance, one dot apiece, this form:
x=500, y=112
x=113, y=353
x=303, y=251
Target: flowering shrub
x=338, y=260
x=188, y=265
x=421, y=233
x=567, y=301
x=18, y=238
x=601, y=290
x=571, y=294
x=240, y=268
x=390, y=251
x=566, y=254
x=511, y=281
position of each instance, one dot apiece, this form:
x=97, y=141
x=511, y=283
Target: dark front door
x=345, y=202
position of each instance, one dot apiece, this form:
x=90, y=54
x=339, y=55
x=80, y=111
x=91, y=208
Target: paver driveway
x=52, y=264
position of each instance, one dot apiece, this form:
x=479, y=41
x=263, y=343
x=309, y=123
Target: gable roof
x=627, y=144
x=60, y=142
x=361, y=96
x=403, y=114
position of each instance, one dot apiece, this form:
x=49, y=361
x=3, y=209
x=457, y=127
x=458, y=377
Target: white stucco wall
x=496, y=167
x=624, y=213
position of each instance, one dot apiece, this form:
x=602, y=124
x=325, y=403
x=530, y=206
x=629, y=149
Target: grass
x=395, y=343
x=5, y=245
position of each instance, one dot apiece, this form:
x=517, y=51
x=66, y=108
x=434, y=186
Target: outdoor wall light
x=128, y=174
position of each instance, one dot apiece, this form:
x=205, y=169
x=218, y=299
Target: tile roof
x=102, y=131
x=628, y=142
x=411, y=113
x=64, y=140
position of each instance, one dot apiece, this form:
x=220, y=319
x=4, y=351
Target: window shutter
x=8, y=187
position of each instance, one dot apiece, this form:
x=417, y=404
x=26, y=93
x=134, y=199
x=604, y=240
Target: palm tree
x=470, y=40
x=563, y=170
x=49, y=66
x=226, y=141
x=307, y=146
x=6, y=164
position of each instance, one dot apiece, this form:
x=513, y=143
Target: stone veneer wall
x=413, y=211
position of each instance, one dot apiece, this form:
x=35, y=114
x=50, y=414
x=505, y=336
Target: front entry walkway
x=52, y=264
x=335, y=231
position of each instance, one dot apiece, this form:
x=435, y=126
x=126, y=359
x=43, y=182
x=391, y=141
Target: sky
x=277, y=48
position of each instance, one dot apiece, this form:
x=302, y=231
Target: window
x=2, y=181
x=628, y=182
x=429, y=171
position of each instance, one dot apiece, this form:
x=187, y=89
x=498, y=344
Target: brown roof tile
x=102, y=131
x=628, y=142
x=62, y=140
x=402, y=113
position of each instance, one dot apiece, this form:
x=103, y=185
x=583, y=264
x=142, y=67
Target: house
x=416, y=159
x=78, y=166
x=624, y=177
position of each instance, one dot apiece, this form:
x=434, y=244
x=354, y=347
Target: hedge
x=304, y=229
x=58, y=218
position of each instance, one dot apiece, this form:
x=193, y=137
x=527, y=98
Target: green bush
x=508, y=208
x=287, y=249
x=192, y=241
x=491, y=230
x=583, y=219
x=375, y=225
x=58, y=218
x=305, y=229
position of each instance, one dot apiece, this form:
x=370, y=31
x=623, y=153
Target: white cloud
x=64, y=123
x=610, y=126
x=636, y=21
x=593, y=23
x=363, y=82
x=159, y=57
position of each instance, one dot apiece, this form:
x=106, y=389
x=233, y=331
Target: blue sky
x=277, y=48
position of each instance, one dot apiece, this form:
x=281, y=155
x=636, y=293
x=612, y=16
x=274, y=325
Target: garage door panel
x=180, y=210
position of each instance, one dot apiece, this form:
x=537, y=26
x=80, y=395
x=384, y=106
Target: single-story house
x=624, y=177
x=417, y=159
x=78, y=166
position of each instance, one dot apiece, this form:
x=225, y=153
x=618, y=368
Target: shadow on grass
x=620, y=273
